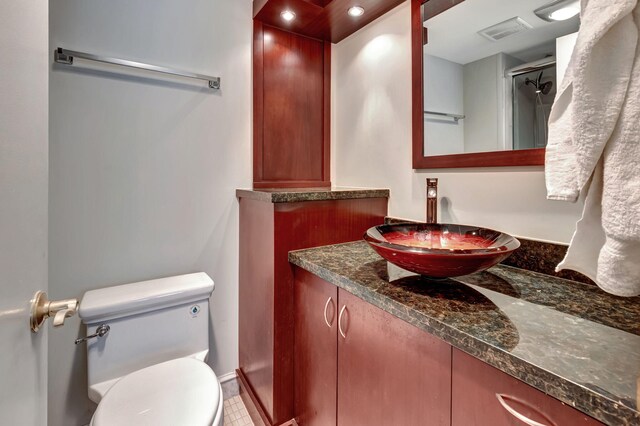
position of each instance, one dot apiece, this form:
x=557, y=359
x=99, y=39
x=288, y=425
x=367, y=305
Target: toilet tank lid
x=135, y=298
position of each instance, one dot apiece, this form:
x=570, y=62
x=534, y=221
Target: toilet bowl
x=178, y=392
x=149, y=368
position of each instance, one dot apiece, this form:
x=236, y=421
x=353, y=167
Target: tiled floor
x=235, y=413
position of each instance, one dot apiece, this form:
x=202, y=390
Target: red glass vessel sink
x=440, y=250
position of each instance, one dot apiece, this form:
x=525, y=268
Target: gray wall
x=443, y=84
x=143, y=170
x=486, y=103
x=482, y=105
x=23, y=208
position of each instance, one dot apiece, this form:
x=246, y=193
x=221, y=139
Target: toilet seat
x=182, y=391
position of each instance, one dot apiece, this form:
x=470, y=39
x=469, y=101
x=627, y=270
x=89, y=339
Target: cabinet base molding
x=255, y=410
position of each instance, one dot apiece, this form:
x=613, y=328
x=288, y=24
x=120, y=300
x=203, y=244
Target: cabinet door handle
x=326, y=305
x=344, y=308
x=524, y=419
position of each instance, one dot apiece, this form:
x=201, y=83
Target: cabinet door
x=315, y=355
x=478, y=387
x=389, y=372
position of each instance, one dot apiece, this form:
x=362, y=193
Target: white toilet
x=149, y=368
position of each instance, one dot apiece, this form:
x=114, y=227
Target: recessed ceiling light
x=559, y=10
x=565, y=13
x=356, y=11
x=288, y=15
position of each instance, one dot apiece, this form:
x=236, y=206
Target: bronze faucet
x=432, y=200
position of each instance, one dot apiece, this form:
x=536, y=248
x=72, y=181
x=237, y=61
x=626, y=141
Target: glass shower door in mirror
x=532, y=94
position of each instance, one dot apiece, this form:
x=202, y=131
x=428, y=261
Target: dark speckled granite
x=543, y=257
x=292, y=195
x=570, y=340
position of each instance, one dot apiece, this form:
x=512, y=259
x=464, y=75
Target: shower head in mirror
x=541, y=87
x=545, y=88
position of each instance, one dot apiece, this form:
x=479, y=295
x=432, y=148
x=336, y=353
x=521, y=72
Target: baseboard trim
x=226, y=377
x=229, y=384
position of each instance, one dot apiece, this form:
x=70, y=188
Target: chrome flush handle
x=101, y=331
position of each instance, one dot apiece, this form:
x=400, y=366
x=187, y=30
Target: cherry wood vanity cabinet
x=356, y=364
x=315, y=350
x=484, y=395
x=272, y=224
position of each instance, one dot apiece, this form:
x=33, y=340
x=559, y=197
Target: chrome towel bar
x=65, y=56
x=455, y=117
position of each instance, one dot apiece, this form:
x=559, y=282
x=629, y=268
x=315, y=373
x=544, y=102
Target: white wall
x=144, y=171
x=372, y=144
x=564, y=50
x=23, y=208
x=443, y=80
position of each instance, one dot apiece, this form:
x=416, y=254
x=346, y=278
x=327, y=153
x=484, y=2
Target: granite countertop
x=292, y=195
x=570, y=340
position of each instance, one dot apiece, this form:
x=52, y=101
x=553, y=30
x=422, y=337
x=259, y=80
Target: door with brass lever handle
x=43, y=308
x=101, y=331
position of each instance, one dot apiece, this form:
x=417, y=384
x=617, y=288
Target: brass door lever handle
x=42, y=308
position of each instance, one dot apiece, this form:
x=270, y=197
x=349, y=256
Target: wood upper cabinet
x=383, y=371
x=483, y=395
x=291, y=109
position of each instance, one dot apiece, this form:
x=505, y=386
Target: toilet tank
x=150, y=322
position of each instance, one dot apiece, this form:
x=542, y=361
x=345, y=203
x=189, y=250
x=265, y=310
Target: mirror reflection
x=491, y=70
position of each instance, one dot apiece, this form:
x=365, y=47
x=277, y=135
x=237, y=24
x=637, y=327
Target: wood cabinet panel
x=268, y=232
x=318, y=223
x=390, y=372
x=256, y=277
x=316, y=350
x=291, y=109
x=302, y=225
x=293, y=91
x=475, y=386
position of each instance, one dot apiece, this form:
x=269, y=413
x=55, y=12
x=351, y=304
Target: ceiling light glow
x=559, y=10
x=288, y=15
x=565, y=13
x=356, y=11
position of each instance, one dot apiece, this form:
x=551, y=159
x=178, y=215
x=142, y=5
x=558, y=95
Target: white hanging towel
x=594, y=145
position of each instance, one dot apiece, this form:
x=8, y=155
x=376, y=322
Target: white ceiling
x=453, y=35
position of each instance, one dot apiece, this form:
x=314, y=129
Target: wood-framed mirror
x=484, y=77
